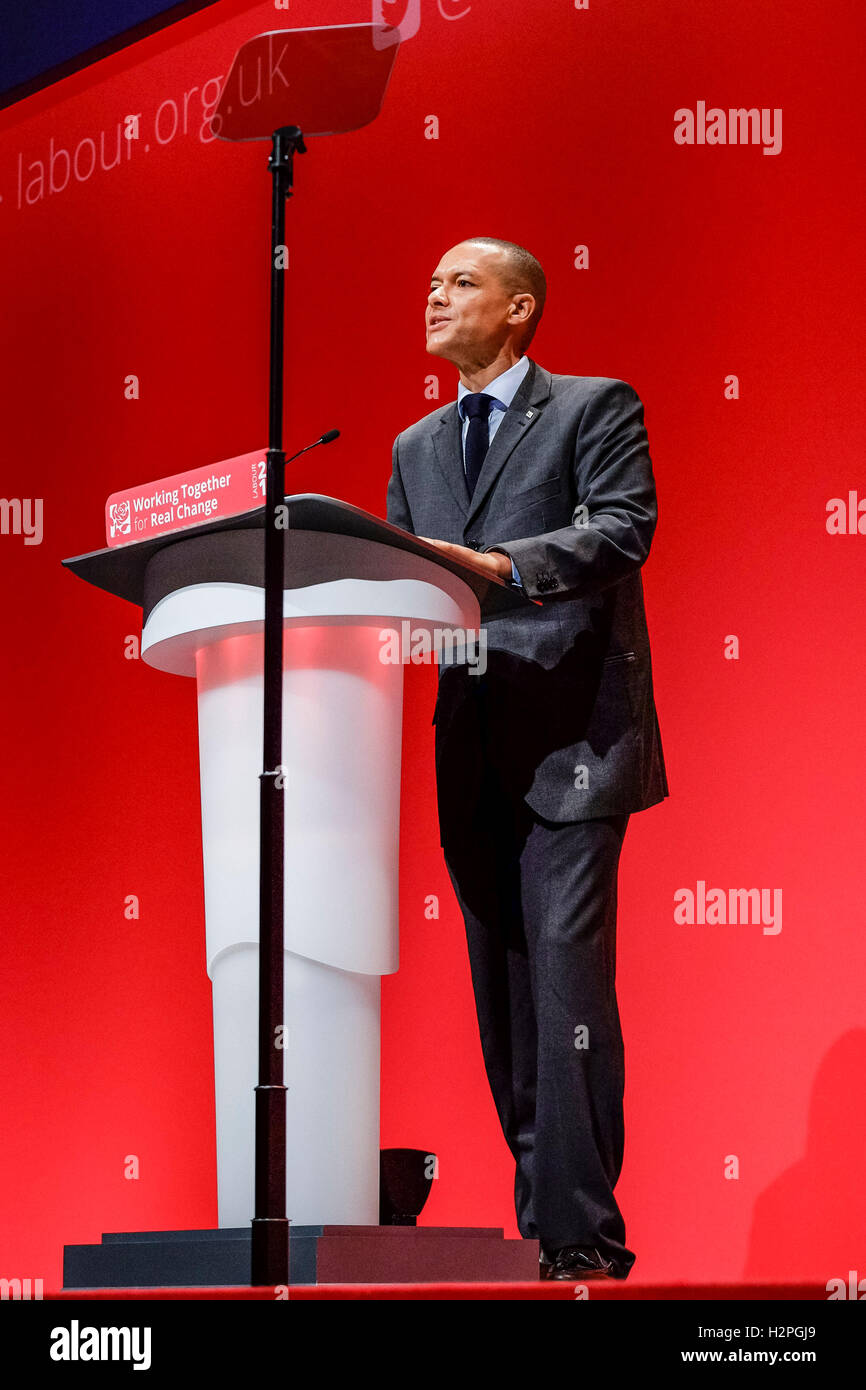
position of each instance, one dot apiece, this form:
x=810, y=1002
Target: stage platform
x=607, y=1290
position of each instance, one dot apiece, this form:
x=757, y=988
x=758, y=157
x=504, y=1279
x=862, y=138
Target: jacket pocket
x=519, y=496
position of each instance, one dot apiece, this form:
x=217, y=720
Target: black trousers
x=539, y=903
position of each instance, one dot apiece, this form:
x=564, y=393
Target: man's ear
x=523, y=307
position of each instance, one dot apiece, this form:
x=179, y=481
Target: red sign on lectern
x=186, y=499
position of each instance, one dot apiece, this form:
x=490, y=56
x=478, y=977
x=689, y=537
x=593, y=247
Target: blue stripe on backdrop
x=44, y=40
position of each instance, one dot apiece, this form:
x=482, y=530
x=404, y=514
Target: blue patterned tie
x=477, y=409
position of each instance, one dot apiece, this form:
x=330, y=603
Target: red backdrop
x=744, y=1048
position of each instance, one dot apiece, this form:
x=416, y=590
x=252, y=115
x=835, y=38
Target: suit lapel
x=448, y=449
x=521, y=415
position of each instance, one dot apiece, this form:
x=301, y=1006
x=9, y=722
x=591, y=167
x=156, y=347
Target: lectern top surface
x=121, y=569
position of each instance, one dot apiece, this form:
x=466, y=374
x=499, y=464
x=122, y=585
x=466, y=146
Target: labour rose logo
x=118, y=519
x=403, y=16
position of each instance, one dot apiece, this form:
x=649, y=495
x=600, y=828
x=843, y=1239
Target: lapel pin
x=529, y=414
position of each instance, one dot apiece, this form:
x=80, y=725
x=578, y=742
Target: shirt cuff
x=515, y=577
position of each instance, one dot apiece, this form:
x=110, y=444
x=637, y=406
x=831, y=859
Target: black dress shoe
x=576, y=1262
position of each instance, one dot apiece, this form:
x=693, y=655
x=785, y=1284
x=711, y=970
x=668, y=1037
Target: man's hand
x=493, y=562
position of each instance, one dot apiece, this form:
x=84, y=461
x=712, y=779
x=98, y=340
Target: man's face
x=470, y=314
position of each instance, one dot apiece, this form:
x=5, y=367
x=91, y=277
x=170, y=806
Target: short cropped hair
x=521, y=273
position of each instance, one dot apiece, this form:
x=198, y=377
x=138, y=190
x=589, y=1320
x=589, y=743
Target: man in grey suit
x=546, y=481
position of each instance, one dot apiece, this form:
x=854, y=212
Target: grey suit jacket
x=565, y=712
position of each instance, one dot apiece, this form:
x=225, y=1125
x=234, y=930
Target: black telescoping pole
x=270, y=1227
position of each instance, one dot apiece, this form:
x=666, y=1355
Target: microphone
x=327, y=438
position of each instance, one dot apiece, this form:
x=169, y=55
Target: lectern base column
x=332, y=1075
x=341, y=756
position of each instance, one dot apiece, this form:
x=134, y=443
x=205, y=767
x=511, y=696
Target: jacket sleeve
x=615, y=516
x=397, y=507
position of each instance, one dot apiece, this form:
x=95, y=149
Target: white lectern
x=349, y=580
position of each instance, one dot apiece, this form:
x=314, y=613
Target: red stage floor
x=607, y=1290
